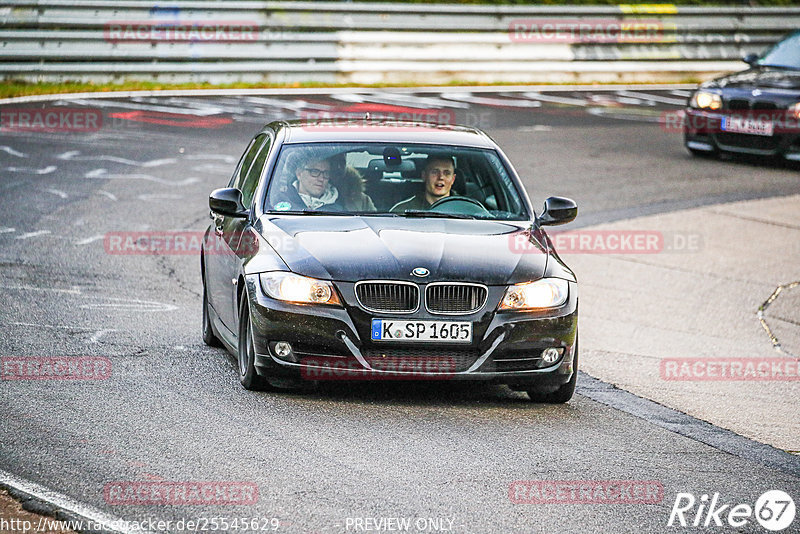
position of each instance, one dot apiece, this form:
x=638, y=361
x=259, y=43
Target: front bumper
x=703, y=131
x=334, y=343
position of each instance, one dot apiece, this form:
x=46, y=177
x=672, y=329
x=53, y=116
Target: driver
x=438, y=176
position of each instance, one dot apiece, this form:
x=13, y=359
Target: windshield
x=784, y=54
x=402, y=180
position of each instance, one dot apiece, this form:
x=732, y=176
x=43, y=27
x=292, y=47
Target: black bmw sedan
x=381, y=250
x=756, y=111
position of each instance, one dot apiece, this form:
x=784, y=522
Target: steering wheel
x=459, y=205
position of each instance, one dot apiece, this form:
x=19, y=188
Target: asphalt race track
x=329, y=459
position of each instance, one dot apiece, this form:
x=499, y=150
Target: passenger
x=350, y=184
x=309, y=187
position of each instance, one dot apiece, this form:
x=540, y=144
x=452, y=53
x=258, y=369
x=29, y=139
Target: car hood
x=764, y=77
x=355, y=248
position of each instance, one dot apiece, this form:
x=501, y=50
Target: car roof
x=380, y=130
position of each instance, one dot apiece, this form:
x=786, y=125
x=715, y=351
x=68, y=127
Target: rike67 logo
x=774, y=510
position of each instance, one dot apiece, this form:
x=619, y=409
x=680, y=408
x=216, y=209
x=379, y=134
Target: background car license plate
x=434, y=331
x=747, y=126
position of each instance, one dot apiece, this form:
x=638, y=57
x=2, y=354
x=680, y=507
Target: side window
x=244, y=163
x=250, y=182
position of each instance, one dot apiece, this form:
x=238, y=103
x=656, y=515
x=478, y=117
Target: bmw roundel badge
x=422, y=272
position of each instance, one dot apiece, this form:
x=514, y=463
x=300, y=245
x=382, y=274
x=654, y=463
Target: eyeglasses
x=316, y=173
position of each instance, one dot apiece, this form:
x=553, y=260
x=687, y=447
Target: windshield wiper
x=437, y=214
x=783, y=67
x=303, y=212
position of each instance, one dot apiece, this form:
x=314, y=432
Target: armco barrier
x=258, y=41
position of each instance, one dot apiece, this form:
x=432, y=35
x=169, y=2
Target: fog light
x=283, y=350
x=550, y=355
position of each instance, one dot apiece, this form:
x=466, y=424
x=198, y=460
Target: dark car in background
x=751, y=112
x=303, y=281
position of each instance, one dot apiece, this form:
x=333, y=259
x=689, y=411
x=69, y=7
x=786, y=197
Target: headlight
x=794, y=110
x=544, y=293
x=295, y=288
x=706, y=100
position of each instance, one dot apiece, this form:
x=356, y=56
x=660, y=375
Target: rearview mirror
x=558, y=210
x=751, y=59
x=227, y=201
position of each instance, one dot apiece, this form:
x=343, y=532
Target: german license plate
x=747, y=125
x=431, y=331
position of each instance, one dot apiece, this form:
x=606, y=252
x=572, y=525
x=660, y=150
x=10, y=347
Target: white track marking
x=148, y=107
x=292, y=105
x=13, y=152
x=74, y=155
x=211, y=167
x=556, y=99
x=29, y=170
x=109, y=523
x=495, y=102
x=73, y=291
x=397, y=100
x=57, y=192
x=680, y=93
x=7, y=230
x=102, y=174
x=233, y=106
x=95, y=338
x=133, y=305
x=29, y=235
x=88, y=240
x=634, y=101
x=407, y=99
x=619, y=113
x=93, y=97
x=224, y=157
x=536, y=128
x=159, y=196
x=653, y=98
x=100, y=333
x=109, y=195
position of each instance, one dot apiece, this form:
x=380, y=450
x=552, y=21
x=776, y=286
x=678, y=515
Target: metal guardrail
x=51, y=40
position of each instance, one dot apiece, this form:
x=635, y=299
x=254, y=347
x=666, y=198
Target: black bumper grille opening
x=422, y=360
x=758, y=142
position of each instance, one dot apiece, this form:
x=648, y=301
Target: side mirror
x=751, y=59
x=227, y=201
x=558, y=210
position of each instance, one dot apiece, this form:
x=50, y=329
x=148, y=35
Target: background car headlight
x=706, y=100
x=295, y=288
x=544, y=293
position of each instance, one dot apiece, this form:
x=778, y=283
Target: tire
x=208, y=333
x=564, y=392
x=246, y=354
